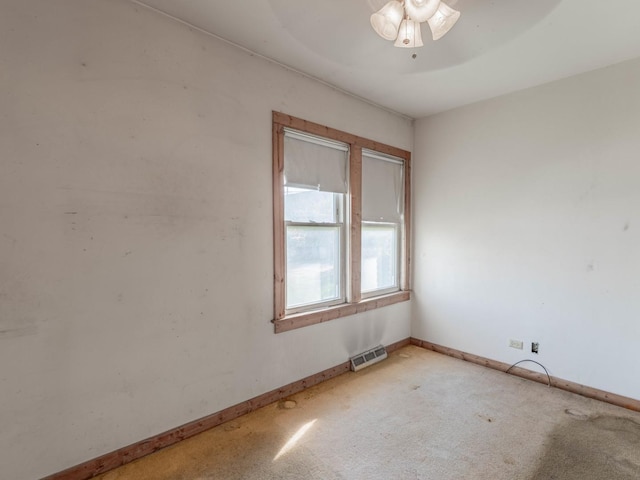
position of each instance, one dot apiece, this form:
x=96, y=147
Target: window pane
x=302, y=205
x=379, y=257
x=313, y=265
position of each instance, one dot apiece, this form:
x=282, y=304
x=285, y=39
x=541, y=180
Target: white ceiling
x=497, y=46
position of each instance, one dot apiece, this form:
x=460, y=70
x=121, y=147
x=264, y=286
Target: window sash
x=341, y=277
x=397, y=259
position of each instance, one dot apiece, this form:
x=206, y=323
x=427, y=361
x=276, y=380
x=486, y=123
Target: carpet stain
x=287, y=404
x=229, y=426
x=595, y=447
x=576, y=413
x=484, y=417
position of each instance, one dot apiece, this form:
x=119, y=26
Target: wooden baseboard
x=124, y=455
x=589, y=392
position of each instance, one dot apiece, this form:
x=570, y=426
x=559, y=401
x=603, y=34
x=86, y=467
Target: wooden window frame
x=355, y=303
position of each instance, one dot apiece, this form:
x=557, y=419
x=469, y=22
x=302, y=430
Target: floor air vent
x=364, y=359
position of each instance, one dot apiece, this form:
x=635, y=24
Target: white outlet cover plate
x=516, y=344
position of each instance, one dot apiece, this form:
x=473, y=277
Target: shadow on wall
x=586, y=447
x=369, y=336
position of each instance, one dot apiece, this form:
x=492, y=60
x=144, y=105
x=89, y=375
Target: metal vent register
x=364, y=359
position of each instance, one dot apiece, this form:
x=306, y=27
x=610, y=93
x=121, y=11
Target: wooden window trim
x=355, y=200
x=355, y=304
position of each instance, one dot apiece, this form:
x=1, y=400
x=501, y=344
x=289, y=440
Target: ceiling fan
x=400, y=21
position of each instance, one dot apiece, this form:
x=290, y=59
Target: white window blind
x=382, y=188
x=313, y=162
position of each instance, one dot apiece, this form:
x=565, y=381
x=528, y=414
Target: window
x=315, y=187
x=341, y=223
x=382, y=225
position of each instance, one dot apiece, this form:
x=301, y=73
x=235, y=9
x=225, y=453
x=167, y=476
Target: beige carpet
x=416, y=415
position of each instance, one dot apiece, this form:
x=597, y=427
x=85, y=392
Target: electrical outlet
x=516, y=344
x=534, y=347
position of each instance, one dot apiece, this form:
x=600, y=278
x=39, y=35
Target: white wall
x=136, y=242
x=527, y=226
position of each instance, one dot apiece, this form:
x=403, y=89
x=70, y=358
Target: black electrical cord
x=537, y=363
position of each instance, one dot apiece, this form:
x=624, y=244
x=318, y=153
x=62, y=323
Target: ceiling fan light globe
x=409, y=35
x=443, y=20
x=421, y=10
x=386, y=21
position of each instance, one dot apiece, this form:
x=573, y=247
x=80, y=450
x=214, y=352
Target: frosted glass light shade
x=442, y=21
x=386, y=20
x=421, y=10
x=409, y=35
